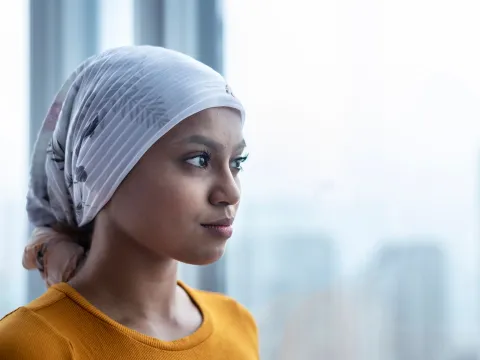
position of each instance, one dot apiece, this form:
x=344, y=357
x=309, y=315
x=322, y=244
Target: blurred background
x=358, y=236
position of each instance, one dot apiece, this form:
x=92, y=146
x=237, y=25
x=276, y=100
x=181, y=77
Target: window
x=361, y=192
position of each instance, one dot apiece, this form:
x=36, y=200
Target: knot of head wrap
x=108, y=113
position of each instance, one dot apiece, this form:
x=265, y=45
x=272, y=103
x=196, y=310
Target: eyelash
x=240, y=161
x=207, y=156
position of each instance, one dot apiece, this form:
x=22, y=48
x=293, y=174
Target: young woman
x=135, y=169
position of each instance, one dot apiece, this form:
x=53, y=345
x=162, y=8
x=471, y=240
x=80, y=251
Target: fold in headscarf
x=109, y=112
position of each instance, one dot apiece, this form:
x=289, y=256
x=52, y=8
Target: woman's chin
x=203, y=256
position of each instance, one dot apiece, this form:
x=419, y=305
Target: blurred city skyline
x=385, y=114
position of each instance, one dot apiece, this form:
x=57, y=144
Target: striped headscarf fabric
x=109, y=112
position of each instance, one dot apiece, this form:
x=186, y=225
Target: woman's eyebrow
x=210, y=143
x=241, y=145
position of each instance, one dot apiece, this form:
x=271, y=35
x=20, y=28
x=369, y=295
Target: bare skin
x=157, y=217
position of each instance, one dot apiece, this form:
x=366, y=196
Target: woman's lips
x=222, y=228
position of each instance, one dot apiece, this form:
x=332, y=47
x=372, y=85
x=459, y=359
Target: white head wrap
x=109, y=112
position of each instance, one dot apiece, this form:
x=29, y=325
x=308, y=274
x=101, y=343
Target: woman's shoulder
x=232, y=320
x=224, y=302
x=26, y=333
x=226, y=307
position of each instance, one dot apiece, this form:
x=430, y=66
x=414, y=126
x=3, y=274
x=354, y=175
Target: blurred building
x=299, y=266
x=315, y=263
x=466, y=355
x=280, y=250
x=410, y=283
x=338, y=323
x=294, y=255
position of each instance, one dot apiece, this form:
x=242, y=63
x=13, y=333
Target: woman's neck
x=135, y=286
x=120, y=277
x=144, y=299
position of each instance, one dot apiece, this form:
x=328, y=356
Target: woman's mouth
x=223, y=231
x=222, y=228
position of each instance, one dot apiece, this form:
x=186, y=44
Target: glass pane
x=358, y=233
x=116, y=23
x=13, y=152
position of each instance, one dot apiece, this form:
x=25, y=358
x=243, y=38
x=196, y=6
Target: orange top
x=61, y=324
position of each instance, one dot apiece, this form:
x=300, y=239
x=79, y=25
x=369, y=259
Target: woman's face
x=181, y=198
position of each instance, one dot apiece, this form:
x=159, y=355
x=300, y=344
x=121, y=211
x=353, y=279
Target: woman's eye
x=200, y=161
x=237, y=163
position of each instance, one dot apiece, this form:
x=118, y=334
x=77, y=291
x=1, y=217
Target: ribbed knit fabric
x=61, y=324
